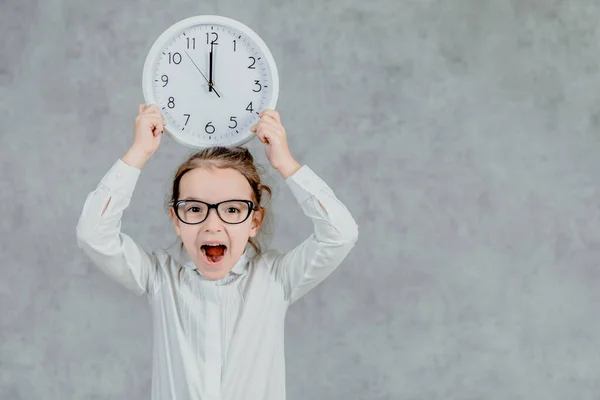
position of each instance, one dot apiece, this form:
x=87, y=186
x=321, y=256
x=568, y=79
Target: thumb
x=141, y=108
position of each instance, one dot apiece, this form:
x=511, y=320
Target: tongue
x=215, y=251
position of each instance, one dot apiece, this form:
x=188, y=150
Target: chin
x=212, y=274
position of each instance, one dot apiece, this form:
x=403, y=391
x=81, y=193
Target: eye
x=194, y=209
x=232, y=210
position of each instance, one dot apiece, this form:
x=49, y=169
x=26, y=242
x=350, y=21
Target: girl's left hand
x=271, y=132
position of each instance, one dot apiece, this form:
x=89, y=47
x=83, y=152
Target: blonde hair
x=238, y=158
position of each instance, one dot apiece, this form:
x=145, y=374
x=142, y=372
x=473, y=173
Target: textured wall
x=463, y=136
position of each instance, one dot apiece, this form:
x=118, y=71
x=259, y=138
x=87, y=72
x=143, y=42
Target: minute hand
x=210, y=69
x=199, y=70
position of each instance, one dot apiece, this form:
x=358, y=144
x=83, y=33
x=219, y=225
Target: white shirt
x=224, y=339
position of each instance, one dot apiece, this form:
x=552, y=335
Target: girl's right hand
x=149, y=125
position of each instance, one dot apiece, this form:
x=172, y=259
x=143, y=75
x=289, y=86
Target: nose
x=212, y=223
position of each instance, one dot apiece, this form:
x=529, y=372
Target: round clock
x=210, y=76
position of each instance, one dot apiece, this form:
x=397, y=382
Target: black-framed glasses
x=194, y=212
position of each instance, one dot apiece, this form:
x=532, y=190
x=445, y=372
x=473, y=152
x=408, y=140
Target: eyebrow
x=191, y=198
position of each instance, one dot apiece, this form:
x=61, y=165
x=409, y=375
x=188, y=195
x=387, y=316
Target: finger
x=271, y=122
x=161, y=117
x=155, y=123
x=271, y=135
x=159, y=120
x=268, y=123
x=152, y=109
x=256, y=127
x=153, y=117
x=271, y=113
x=261, y=137
x=158, y=129
x=141, y=108
x=272, y=129
x=261, y=133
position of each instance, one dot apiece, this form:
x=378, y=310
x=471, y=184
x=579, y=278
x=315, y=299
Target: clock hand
x=204, y=76
x=210, y=70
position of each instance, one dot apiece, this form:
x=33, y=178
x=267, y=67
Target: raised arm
x=99, y=227
x=335, y=231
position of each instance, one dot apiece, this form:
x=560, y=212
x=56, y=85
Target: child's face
x=213, y=186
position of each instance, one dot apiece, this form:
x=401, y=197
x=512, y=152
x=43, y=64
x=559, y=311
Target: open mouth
x=214, y=252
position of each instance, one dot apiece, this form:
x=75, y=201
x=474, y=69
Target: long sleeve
x=99, y=232
x=335, y=233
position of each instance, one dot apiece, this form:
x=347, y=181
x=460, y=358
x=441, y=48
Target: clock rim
x=173, y=31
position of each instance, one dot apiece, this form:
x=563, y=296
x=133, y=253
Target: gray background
x=462, y=135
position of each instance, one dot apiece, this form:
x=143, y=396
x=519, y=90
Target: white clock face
x=210, y=81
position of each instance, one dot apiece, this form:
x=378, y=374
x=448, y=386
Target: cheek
x=239, y=235
x=188, y=236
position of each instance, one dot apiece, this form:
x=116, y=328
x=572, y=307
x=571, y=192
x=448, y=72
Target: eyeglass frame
x=176, y=204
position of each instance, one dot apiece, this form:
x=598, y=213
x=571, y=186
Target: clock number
x=214, y=41
x=233, y=119
x=171, y=102
x=256, y=82
x=175, y=58
x=193, y=43
x=165, y=79
x=187, y=119
x=209, y=128
x=249, y=108
x=251, y=66
x=234, y=45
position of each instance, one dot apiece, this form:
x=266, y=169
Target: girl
x=218, y=302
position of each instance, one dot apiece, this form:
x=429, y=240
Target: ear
x=175, y=221
x=257, y=220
